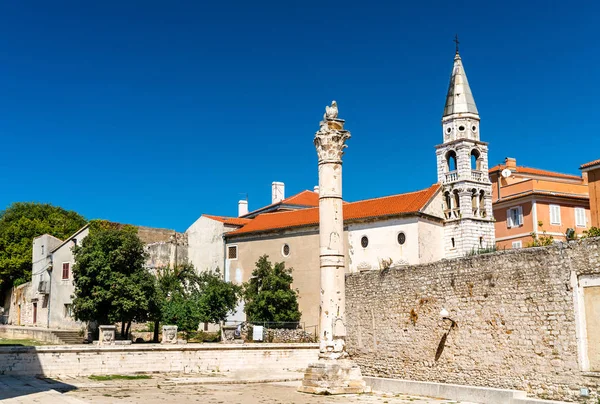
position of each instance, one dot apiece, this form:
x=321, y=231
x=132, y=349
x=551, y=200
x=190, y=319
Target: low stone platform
x=340, y=376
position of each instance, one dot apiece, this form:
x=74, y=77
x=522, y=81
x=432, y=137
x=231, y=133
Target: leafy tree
x=217, y=297
x=20, y=223
x=542, y=240
x=187, y=299
x=111, y=282
x=269, y=296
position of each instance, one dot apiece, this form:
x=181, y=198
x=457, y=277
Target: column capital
x=330, y=139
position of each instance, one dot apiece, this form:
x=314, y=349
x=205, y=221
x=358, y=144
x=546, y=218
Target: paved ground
x=209, y=389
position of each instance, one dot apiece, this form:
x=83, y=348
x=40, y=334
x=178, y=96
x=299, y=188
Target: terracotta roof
x=234, y=221
x=591, y=163
x=535, y=171
x=371, y=208
x=304, y=198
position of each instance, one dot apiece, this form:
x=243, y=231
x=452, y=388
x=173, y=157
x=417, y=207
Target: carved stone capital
x=330, y=141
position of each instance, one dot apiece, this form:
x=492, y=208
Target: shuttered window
x=580, y=217
x=517, y=244
x=514, y=217
x=65, y=272
x=554, y=214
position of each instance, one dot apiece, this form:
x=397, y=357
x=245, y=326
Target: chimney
x=242, y=208
x=316, y=189
x=277, y=192
x=510, y=163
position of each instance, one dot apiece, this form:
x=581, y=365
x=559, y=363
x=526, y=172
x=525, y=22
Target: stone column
x=334, y=373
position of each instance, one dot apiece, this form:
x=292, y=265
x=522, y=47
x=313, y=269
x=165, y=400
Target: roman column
x=334, y=373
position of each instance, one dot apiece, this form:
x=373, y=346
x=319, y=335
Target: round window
x=285, y=250
x=474, y=128
x=461, y=128
x=364, y=241
x=401, y=238
x=449, y=129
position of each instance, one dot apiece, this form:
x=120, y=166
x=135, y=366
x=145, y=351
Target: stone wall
x=189, y=358
x=516, y=322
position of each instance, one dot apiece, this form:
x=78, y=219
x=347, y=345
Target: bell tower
x=462, y=168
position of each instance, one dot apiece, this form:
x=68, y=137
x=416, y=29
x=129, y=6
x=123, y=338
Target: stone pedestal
x=107, y=334
x=338, y=376
x=169, y=334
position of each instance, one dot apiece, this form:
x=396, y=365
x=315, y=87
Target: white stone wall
x=383, y=243
x=205, y=244
x=191, y=358
x=431, y=241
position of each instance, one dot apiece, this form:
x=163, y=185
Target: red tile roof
x=234, y=221
x=535, y=171
x=304, y=198
x=371, y=208
x=591, y=163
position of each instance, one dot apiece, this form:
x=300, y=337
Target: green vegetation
x=111, y=282
x=592, y=232
x=20, y=223
x=103, y=378
x=186, y=299
x=269, y=295
x=21, y=342
x=540, y=241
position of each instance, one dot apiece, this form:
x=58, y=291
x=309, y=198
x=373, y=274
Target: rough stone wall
x=514, y=311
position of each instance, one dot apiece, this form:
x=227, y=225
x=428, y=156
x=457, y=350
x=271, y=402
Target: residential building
x=591, y=172
x=529, y=202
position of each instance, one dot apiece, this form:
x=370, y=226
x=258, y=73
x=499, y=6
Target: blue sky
x=154, y=112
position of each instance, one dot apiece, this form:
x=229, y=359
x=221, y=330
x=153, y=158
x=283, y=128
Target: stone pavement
x=201, y=388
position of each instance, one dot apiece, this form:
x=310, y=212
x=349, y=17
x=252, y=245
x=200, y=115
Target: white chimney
x=277, y=192
x=242, y=208
x=316, y=189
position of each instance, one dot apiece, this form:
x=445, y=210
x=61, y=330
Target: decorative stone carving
x=169, y=334
x=330, y=139
x=107, y=334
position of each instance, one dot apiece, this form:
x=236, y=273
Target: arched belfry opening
x=451, y=161
x=475, y=160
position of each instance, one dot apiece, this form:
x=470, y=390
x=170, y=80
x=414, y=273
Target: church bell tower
x=462, y=168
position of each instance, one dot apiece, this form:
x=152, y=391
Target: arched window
x=451, y=160
x=456, y=200
x=474, y=200
x=475, y=160
x=482, y=203
x=448, y=201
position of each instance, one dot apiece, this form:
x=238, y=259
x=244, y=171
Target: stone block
x=107, y=334
x=169, y=334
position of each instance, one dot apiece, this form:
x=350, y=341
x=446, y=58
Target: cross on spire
x=456, y=42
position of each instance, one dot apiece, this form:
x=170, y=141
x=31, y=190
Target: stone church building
x=451, y=218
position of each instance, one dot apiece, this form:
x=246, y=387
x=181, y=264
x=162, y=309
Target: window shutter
x=554, y=214
x=509, y=218
x=520, y=215
x=580, y=217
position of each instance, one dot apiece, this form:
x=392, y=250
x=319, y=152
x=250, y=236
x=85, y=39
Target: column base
x=333, y=376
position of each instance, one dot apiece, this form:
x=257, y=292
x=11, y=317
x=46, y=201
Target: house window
x=42, y=250
x=514, y=217
x=65, y=272
x=364, y=241
x=232, y=252
x=580, y=217
x=67, y=312
x=401, y=238
x=285, y=250
x=554, y=214
x=517, y=244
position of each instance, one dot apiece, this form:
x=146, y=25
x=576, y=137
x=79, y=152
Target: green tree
x=20, y=223
x=111, y=282
x=269, y=296
x=187, y=299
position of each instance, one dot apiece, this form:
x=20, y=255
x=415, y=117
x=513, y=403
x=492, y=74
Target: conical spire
x=459, y=99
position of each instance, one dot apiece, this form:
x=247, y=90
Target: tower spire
x=459, y=99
